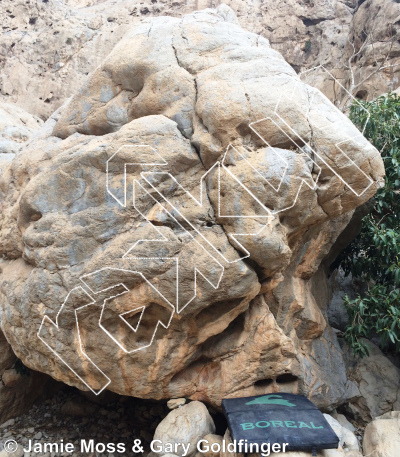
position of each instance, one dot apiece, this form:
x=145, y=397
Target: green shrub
x=374, y=256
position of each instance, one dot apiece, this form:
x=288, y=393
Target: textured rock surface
x=52, y=46
x=382, y=436
x=186, y=425
x=16, y=127
x=378, y=382
x=185, y=90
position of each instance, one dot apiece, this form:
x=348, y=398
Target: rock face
x=51, y=66
x=382, y=436
x=171, y=245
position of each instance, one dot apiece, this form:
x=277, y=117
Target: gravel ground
x=69, y=417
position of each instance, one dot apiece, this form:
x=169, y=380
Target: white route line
x=200, y=203
x=55, y=324
x=179, y=308
x=163, y=162
x=134, y=309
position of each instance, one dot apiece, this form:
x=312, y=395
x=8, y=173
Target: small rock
x=176, y=403
x=38, y=436
x=31, y=430
x=11, y=378
x=213, y=439
x=156, y=410
x=9, y=423
x=146, y=435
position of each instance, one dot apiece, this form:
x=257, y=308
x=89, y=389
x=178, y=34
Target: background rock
x=16, y=127
x=52, y=66
x=378, y=382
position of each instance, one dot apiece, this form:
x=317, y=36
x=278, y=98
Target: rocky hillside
x=50, y=46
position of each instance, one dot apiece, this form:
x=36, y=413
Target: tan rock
x=343, y=421
x=7, y=357
x=16, y=127
x=19, y=452
x=11, y=377
x=323, y=453
x=176, y=403
x=382, y=436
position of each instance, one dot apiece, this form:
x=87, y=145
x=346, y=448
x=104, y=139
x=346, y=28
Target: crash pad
x=279, y=418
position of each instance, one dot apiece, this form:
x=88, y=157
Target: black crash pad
x=279, y=418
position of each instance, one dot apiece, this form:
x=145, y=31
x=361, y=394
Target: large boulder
x=382, y=436
x=149, y=216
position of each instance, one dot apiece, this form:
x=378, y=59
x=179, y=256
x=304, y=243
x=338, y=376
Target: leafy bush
x=374, y=256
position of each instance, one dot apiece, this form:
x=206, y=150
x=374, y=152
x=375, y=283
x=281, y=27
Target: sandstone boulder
x=186, y=425
x=382, y=436
x=161, y=231
x=323, y=453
